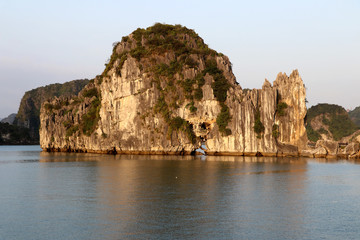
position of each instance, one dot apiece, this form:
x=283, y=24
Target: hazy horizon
x=54, y=42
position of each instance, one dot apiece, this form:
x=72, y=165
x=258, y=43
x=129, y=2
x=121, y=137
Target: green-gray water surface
x=89, y=196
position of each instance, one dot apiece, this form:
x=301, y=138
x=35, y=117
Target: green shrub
x=188, y=130
x=113, y=58
x=161, y=69
x=138, y=52
x=198, y=94
x=71, y=130
x=258, y=125
x=180, y=48
x=322, y=131
x=223, y=119
x=280, y=108
x=67, y=124
x=326, y=121
x=220, y=87
x=123, y=58
x=57, y=106
x=176, y=123
x=162, y=108
x=90, y=119
x=211, y=67
x=175, y=67
x=89, y=93
x=179, y=124
x=191, y=63
x=312, y=135
x=275, y=131
x=137, y=35
x=161, y=29
x=187, y=85
x=200, y=80
x=48, y=107
x=169, y=71
x=192, y=108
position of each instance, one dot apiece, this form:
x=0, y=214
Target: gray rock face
x=280, y=129
x=28, y=115
x=9, y=119
x=143, y=112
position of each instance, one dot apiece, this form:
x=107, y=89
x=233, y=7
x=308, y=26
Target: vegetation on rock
x=220, y=87
x=29, y=110
x=275, y=131
x=90, y=119
x=331, y=117
x=280, y=108
x=87, y=122
x=175, y=123
x=355, y=116
x=223, y=119
x=14, y=135
x=164, y=91
x=258, y=125
x=312, y=135
x=185, y=49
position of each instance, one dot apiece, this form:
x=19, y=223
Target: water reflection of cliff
x=222, y=197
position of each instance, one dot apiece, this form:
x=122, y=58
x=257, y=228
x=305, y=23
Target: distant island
x=23, y=127
x=164, y=91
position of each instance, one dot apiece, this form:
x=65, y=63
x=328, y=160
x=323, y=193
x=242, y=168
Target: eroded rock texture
x=165, y=92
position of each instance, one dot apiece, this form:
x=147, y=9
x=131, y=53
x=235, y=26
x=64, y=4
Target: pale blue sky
x=44, y=42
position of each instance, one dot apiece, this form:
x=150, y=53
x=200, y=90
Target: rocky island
x=22, y=128
x=164, y=91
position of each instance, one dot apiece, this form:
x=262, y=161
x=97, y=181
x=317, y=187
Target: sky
x=45, y=42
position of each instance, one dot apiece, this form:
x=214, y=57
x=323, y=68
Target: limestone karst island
x=164, y=91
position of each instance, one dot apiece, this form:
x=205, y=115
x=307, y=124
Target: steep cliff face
x=267, y=121
x=28, y=115
x=165, y=92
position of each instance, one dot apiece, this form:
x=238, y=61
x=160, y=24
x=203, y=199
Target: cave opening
x=202, y=149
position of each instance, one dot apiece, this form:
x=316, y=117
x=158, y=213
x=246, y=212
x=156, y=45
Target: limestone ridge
x=28, y=115
x=164, y=91
x=267, y=121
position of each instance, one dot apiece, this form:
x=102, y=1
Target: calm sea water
x=86, y=196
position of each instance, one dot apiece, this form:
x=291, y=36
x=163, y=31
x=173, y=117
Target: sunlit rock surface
x=165, y=92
